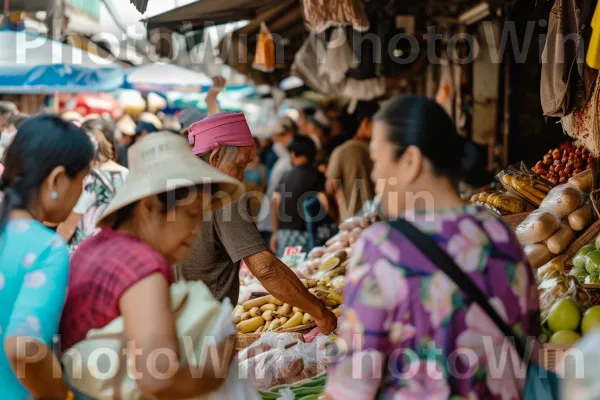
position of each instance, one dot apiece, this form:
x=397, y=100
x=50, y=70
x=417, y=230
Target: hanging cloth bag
x=323, y=14
x=264, y=59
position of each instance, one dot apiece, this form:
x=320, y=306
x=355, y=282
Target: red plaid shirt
x=102, y=269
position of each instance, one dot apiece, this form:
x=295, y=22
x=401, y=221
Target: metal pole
x=58, y=14
x=57, y=32
x=6, y=7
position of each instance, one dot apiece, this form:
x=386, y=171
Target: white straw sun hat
x=162, y=162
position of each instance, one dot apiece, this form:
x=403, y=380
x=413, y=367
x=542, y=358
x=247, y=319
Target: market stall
x=32, y=64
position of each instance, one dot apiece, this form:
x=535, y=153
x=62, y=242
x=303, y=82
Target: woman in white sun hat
x=125, y=270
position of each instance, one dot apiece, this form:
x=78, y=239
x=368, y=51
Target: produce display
x=501, y=203
x=560, y=164
x=586, y=264
x=267, y=314
x=328, y=264
x=307, y=390
x=528, y=187
x=284, y=359
x=550, y=230
x=564, y=304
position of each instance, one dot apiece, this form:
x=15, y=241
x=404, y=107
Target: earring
x=54, y=195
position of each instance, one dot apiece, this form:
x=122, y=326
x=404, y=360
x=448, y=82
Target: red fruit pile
x=563, y=163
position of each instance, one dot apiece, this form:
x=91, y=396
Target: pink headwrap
x=228, y=128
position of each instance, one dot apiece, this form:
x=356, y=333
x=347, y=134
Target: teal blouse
x=34, y=270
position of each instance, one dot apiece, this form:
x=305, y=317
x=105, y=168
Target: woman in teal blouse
x=43, y=178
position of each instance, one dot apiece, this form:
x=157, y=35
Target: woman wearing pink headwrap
x=230, y=236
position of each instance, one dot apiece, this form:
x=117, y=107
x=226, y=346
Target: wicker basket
x=514, y=220
x=586, y=238
x=552, y=355
x=244, y=340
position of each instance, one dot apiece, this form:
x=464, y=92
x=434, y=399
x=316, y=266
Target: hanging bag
x=264, y=59
x=540, y=383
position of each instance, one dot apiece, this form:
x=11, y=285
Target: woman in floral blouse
x=408, y=332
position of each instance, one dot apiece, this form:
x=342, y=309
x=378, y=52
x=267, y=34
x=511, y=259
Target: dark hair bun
x=418, y=121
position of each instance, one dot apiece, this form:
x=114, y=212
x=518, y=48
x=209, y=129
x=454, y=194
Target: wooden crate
x=552, y=355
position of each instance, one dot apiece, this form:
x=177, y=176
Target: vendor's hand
x=273, y=243
x=328, y=322
x=218, y=85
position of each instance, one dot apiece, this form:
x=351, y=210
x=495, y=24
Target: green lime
x=592, y=264
x=564, y=316
x=580, y=273
x=579, y=261
x=587, y=249
x=592, y=280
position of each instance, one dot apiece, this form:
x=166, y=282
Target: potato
x=250, y=325
x=273, y=300
x=245, y=316
x=267, y=307
x=307, y=319
x=561, y=240
x=581, y=218
x=294, y=321
x=255, y=312
x=285, y=310
x=268, y=315
x=538, y=254
x=258, y=302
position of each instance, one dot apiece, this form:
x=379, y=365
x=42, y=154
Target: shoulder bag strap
x=439, y=258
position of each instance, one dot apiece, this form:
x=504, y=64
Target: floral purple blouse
x=407, y=331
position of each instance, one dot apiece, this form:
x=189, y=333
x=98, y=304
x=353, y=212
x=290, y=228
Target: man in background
x=350, y=167
x=286, y=131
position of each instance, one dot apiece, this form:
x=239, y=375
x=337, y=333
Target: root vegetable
x=250, y=325
x=267, y=307
x=330, y=303
x=258, y=302
x=335, y=296
x=561, y=240
x=255, y=312
x=293, y=322
x=276, y=324
x=273, y=300
x=581, y=218
x=245, y=316
x=307, y=319
x=268, y=315
x=285, y=310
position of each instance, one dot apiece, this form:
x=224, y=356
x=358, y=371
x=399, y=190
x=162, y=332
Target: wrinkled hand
x=327, y=323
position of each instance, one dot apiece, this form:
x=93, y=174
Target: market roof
x=141, y=5
x=195, y=15
x=26, y=5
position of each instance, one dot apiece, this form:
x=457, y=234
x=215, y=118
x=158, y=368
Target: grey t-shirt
x=228, y=236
